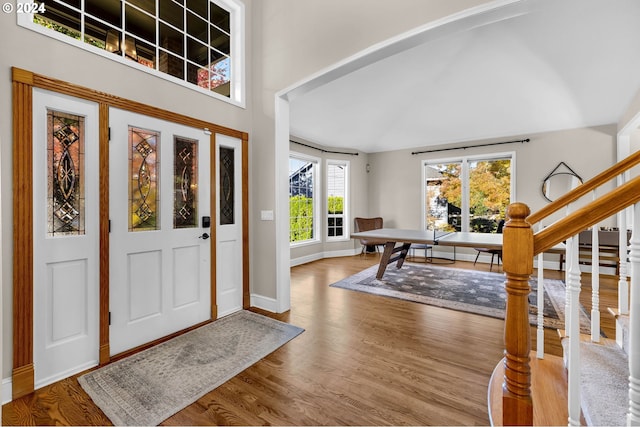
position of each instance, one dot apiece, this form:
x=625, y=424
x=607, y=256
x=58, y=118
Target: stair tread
x=616, y=313
x=604, y=384
x=586, y=338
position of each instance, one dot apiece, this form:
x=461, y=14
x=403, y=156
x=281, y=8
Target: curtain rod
x=323, y=150
x=471, y=146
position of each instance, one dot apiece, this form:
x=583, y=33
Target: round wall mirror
x=560, y=182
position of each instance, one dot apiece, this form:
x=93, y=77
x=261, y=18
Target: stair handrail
x=588, y=186
x=520, y=245
x=603, y=207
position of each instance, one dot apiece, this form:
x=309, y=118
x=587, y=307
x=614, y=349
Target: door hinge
x=109, y=136
x=109, y=226
x=109, y=318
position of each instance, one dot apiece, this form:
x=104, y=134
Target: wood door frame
x=23, y=82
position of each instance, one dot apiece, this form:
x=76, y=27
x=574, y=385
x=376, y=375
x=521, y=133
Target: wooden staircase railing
x=520, y=245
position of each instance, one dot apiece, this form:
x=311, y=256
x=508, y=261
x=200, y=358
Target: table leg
x=384, y=260
x=403, y=254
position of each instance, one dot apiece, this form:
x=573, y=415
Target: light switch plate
x=266, y=215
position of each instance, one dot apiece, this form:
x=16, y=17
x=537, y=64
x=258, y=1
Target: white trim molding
x=7, y=390
x=264, y=303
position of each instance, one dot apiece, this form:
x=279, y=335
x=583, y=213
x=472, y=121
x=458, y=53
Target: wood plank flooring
x=362, y=360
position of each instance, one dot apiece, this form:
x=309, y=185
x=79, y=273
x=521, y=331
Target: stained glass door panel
x=159, y=264
x=65, y=235
x=185, y=178
x=227, y=185
x=65, y=174
x=143, y=172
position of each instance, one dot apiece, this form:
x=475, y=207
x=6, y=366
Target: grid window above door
x=198, y=42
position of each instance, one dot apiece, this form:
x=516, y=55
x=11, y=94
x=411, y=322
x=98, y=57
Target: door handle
x=204, y=236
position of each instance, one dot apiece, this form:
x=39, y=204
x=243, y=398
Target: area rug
x=150, y=386
x=472, y=291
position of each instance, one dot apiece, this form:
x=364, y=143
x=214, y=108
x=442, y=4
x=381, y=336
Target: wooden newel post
x=517, y=405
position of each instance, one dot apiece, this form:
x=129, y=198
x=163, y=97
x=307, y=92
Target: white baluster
x=633, y=416
x=623, y=285
x=573, y=292
x=568, y=254
x=540, y=302
x=595, y=283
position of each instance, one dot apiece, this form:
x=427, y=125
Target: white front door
x=65, y=236
x=159, y=185
x=229, y=280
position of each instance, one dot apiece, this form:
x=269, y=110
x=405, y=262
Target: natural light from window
x=468, y=194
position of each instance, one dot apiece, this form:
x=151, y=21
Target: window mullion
x=157, y=45
x=465, y=196
x=83, y=18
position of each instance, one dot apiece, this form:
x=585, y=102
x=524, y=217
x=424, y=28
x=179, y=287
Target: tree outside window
x=468, y=194
x=302, y=202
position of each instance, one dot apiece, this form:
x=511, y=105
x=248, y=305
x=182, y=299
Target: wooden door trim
x=23, y=83
x=246, y=293
x=23, y=369
x=213, y=190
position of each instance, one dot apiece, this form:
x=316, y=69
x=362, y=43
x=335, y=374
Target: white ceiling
x=557, y=64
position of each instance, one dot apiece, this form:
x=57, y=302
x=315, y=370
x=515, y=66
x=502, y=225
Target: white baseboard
x=65, y=374
x=460, y=255
x=264, y=303
x=321, y=255
x=7, y=390
x=306, y=259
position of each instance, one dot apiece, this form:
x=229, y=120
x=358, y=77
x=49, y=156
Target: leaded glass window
x=65, y=174
x=227, y=185
x=185, y=178
x=144, y=168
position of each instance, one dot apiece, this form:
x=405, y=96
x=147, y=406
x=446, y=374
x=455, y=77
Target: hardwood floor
x=362, y=360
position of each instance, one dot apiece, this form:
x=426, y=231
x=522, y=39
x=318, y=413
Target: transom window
x=197, y=42
x=468, y=193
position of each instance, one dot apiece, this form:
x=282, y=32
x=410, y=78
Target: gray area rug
x=150, y=386
x=477, y=292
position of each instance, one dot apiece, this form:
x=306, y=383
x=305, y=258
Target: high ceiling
x=555, y=64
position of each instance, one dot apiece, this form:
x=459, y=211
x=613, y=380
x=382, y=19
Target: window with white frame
x=198, y=43
x=337, y=202
x=303, y=199
x=468, y=193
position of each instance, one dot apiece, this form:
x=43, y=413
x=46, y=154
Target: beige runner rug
x=150, y=386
